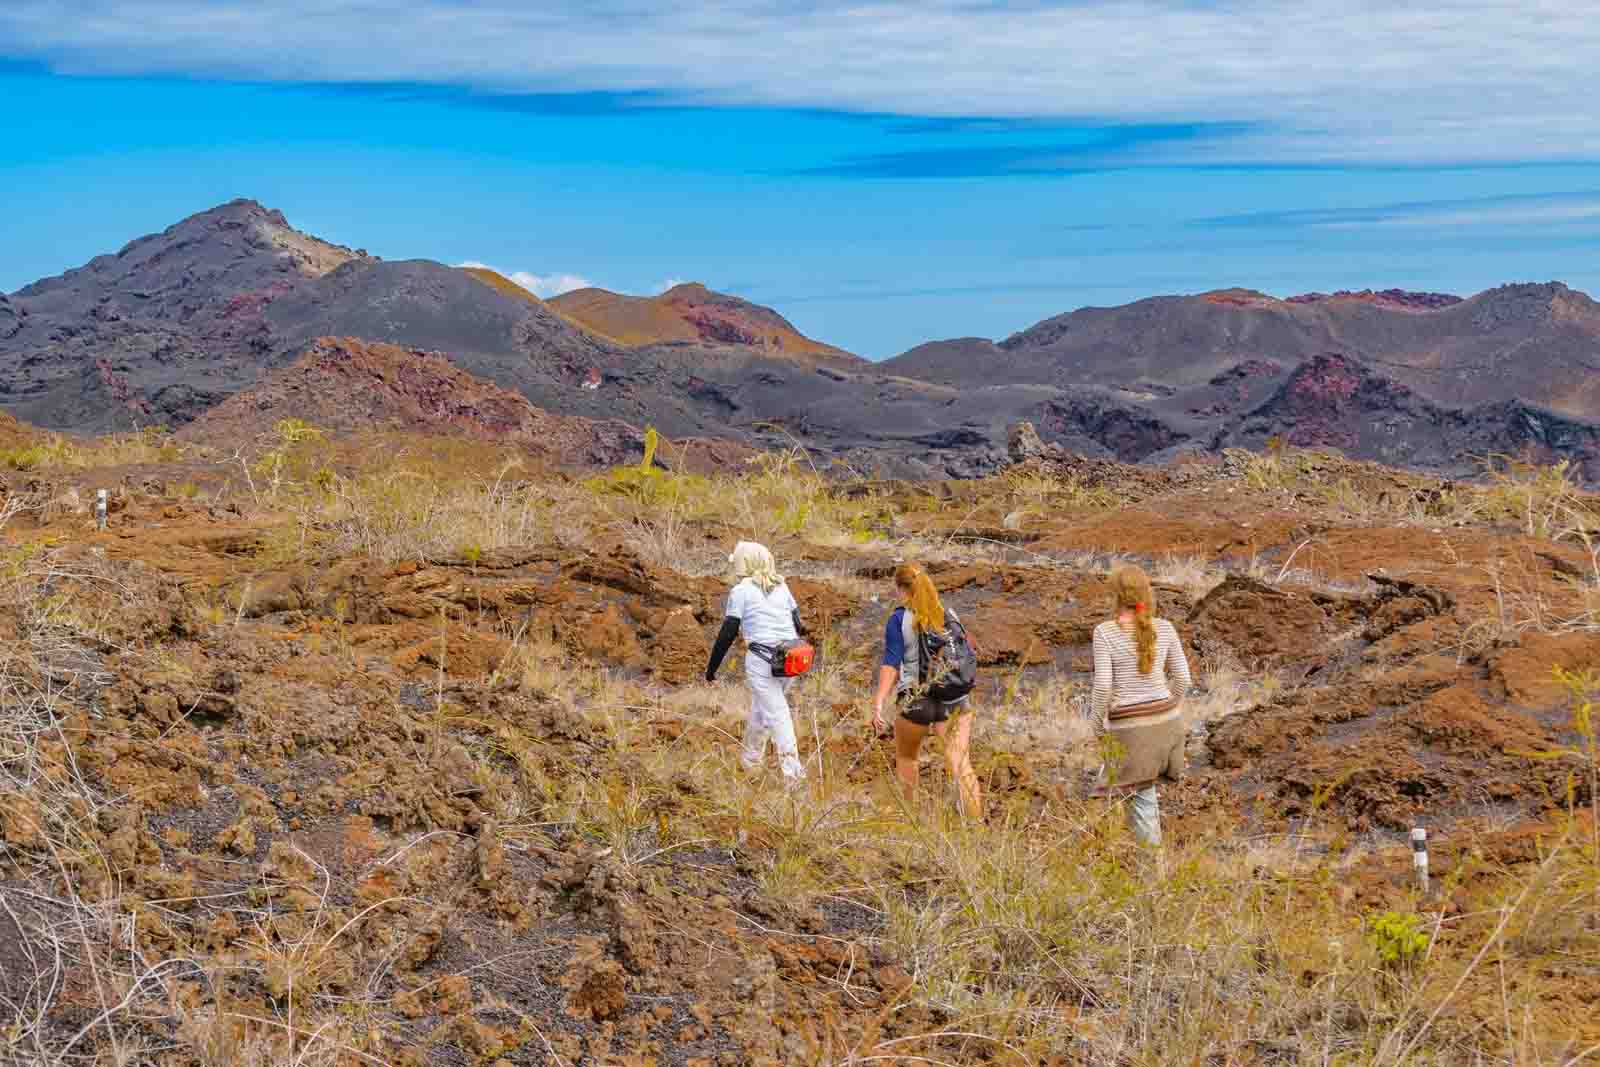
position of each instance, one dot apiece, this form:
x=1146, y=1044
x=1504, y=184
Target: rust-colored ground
x=344, y=737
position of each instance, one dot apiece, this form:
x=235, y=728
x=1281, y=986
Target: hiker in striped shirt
x=1140, y=679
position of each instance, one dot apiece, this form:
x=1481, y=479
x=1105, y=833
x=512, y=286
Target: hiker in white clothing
x=761, y=608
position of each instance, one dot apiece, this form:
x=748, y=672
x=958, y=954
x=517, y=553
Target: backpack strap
x=911, y=643
x=912, y=637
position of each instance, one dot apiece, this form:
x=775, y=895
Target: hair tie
x=1137, y=608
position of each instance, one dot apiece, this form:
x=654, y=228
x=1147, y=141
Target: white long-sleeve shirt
x=1117, y=681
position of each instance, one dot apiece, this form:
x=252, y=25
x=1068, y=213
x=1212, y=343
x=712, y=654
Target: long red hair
x=921, y=596
x=1131, y=586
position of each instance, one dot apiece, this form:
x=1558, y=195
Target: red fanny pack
x=789, y=659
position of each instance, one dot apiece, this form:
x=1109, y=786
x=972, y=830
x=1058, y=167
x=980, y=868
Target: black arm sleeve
x=799, y=627
x=725, y=636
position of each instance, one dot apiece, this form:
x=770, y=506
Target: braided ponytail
x=1132, y=588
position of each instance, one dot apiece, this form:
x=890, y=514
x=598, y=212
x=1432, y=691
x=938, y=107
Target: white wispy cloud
x=1524, y=212
x=540, y=285
x=1328, y=79
x=1499, y=214
x=665, y=284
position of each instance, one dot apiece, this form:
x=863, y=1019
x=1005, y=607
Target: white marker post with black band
x=100, y=510
x=1419, y=856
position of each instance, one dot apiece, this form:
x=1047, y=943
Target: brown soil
x=284, y=731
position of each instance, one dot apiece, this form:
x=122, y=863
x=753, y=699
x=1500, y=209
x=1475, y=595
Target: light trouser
x=769, y=718
x=1144, y=815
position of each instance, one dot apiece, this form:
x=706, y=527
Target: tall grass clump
x=152, y=444
x=401, y=514
x=1543, y=501
x=1036, y=493
x=72, y=931
x=666, y=515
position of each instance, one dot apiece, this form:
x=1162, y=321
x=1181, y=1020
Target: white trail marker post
x=100, y=510
x=1419, y=856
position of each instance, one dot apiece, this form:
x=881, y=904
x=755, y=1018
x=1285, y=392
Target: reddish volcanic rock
x=116, y=385
x=1397, y=299
x=344, y=385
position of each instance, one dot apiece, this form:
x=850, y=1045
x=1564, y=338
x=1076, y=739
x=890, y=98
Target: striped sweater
x=1117, y=681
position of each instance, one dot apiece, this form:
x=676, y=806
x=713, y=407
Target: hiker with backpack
x=930, y=666
x=1140, y=680
x=760, y=607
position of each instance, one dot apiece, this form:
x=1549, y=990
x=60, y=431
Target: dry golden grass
x=57, y=452
x=1043, y=932
x=1540, y=500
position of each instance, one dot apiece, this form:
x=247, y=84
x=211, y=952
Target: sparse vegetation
x=311, y=770
x=1542, y=500
x=56, y=452
x=1036, y=494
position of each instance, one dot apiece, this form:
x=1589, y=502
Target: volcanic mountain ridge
x=690, y=313
x=178, y=322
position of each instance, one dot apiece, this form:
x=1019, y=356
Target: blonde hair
x=753, y=561
x=921, y=596
x=1131, y=586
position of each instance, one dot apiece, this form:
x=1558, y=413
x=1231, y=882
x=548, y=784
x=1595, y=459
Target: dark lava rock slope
x=177, y=322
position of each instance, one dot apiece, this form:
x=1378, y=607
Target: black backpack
x=948, y=667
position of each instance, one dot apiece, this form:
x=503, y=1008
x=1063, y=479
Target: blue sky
x=883, y=174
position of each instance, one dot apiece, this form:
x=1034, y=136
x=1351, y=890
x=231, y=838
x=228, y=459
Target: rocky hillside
x=344, y=385
x=163, y=328
x=178, y=322
x=692, y=314
x=1333, y=401
x=1452, y=351
x=1422, y=379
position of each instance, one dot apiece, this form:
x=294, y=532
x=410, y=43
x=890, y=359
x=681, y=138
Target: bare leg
x=957, y=752
x=907, y=744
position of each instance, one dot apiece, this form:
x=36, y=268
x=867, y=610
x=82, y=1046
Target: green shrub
x=1397, y=938
x=54, y=452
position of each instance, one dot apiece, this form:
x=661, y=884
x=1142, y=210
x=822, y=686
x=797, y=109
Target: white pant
x=769, y=718
x=1144, y=815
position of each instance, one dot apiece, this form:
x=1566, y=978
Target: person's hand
x=878, y=726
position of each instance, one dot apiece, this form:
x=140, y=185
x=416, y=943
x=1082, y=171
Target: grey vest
x=911, y=662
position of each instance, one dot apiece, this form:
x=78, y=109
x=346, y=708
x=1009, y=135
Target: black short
x=926, y=712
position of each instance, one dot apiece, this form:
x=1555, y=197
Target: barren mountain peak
x=265, y=229
x=691, y=313
x=1240, y=296
x=182, y=319
x=1517, y=305
x=495, y=280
